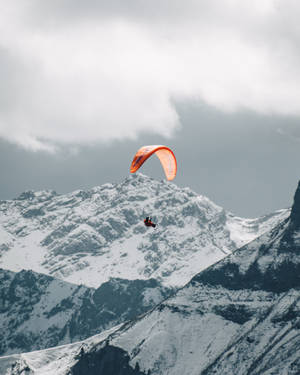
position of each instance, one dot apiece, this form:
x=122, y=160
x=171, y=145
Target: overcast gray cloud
x=79, y=72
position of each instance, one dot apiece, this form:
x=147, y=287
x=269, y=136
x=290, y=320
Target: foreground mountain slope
x=240, y=316
x=38, y=311
x=88, y=237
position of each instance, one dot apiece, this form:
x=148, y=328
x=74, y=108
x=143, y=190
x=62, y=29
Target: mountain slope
x=240, y=316
x=88, y=237
x=38, y=311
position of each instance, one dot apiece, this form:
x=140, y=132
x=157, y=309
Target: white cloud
x=110, y=72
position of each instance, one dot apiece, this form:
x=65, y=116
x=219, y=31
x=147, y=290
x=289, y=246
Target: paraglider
x=167, y=160
x=164, y=154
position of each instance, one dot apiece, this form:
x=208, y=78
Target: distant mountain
x=38, y=311
x=240, y=316
x=88, y=237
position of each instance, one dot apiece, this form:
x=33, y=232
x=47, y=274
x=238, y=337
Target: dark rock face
x=33, y=212
x=112, y=303
x=295, y=213
x=24, y=302
x=235, y=313
x=109, y=360
x=276, y=278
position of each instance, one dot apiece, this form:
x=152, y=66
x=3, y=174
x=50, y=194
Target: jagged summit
x=37, y=195
x=89, y=236
x=295, y=213
x=271, y=262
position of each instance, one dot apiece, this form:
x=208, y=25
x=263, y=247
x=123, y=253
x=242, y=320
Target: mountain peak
x=140, y=178
x=295, y=213
x=79, y=234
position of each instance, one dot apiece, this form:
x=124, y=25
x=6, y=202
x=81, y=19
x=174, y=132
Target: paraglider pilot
x=148, y=222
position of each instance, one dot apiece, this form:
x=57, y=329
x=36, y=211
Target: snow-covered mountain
x=97, y=239
x=38, y=311
x=88, y=237
x=239, y=316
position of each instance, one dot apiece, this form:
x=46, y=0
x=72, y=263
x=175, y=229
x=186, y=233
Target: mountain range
x=241, y=315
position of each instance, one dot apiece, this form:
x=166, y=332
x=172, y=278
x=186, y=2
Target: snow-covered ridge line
x=87, y=237
x=40, y=358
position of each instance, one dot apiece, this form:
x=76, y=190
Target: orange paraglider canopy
x=164, y=154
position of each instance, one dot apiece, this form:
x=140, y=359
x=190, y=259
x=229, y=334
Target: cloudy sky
x=85, y=83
